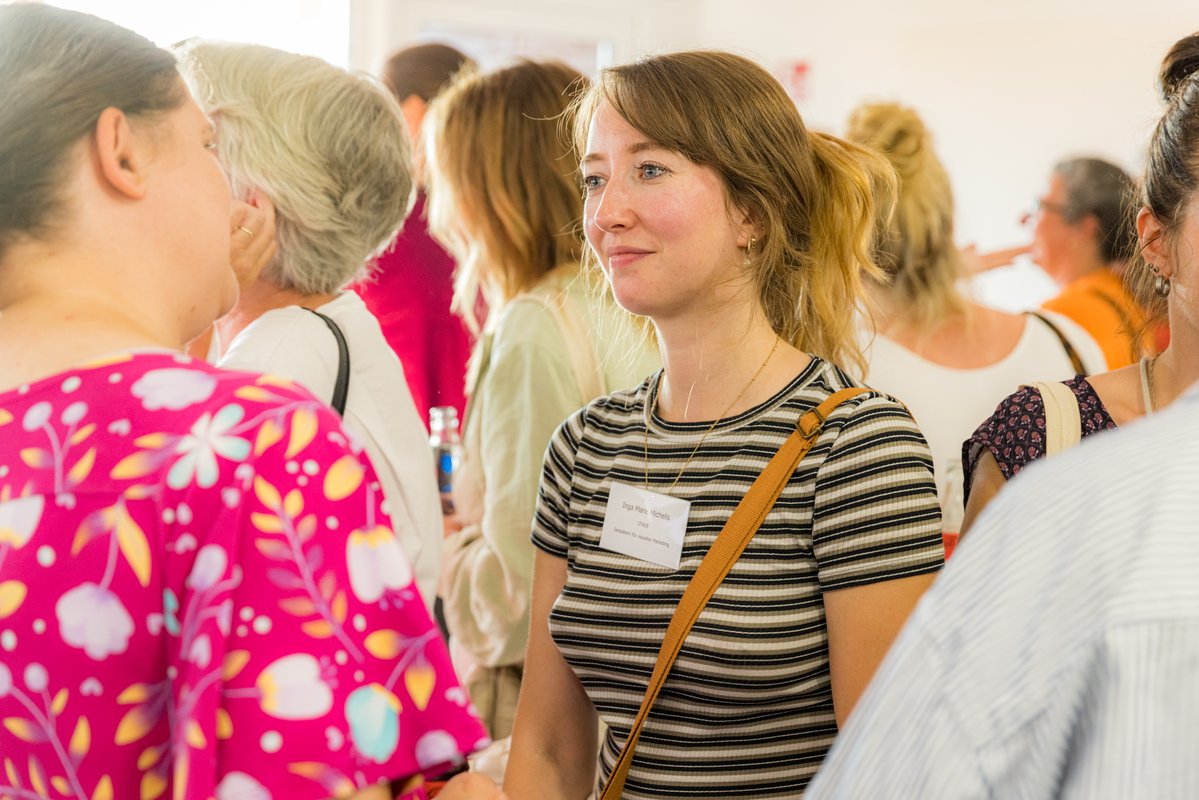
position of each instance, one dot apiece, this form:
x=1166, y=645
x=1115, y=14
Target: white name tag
x=645, y=525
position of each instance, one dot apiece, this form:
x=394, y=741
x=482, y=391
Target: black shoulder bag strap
x=341, y=386
x=1071, y=353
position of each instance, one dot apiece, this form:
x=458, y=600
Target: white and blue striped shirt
x=1058, y=653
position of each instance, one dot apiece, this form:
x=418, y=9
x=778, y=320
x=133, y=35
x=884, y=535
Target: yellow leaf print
x=339, y=606
x=134, y=466
x=37, y=778
x=317, y=629
x=303, y=429
x=419, y=680
x=82, y=468
x=267, y=495
x=293, y=504
x=61, y=785
x=10, y=769
x=23, y=729
x=151, y=441
x=36, y=458
x=383, y=644
x=179, y=778
x=224, y=724
x=81, y=740
x=195, y=736
x=275, y=380
x=5, y=417
x=81, y=434
x=12, y=594
x=60, y=701
x=268, y=434
x=150, y=756
x=267, y=523
x=136, y=693
x=134, y=725
x=300, y=606
x=153, y=785
x=103, y=789
x=254, y=394
x=234, y=663
x=343, y=478
x=134, y=547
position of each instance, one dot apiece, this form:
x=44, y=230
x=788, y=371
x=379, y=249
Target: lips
x=623, y=256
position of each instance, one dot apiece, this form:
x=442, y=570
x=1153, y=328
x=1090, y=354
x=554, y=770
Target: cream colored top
x=542, y=363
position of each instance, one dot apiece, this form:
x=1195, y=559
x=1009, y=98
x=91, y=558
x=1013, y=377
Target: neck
x=1082, y=265
x=1177, y=368
x=708, y=362
x=259, y=298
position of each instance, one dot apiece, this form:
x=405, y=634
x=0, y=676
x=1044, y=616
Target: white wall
x=1008, y=87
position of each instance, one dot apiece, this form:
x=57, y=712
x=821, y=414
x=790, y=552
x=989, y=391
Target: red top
x=410, y=294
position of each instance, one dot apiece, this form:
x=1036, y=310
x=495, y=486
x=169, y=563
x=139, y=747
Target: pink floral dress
x=200, y=596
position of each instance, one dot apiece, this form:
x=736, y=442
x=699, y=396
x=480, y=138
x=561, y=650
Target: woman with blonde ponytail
x=745, y=240
x=947, y=357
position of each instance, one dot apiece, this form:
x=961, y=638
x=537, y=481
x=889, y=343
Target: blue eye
x=651, y=171
x=591, y=182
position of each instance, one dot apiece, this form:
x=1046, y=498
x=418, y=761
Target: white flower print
x=292, y=688
x=92, y=618
x=240, y=786
x=376, y=563
x=19, y=518
x=208, y=438
x=208, y=568
x=173, y=389
x=37, y=416
x=5, y=680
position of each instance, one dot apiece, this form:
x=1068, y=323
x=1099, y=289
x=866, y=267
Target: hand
x=471, y=786
x=451, y=524
x=252, y=242
x=977, y=262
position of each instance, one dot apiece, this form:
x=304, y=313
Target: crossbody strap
x=1072, y=354
x=742, y=524
x=341, y=386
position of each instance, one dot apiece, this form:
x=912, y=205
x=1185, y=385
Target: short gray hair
x=329, y=148
x=1103, y=190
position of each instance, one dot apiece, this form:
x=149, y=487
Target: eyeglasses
x=1044, y=206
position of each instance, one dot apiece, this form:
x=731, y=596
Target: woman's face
x=659, y=223
x=193, y=204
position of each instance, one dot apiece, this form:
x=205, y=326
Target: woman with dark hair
x=199, y=594
x=1165, y=276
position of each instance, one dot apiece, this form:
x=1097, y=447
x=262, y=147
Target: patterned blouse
x=1015, y=433
x=199, y=596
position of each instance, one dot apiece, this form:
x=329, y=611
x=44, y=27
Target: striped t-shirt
x=747, y=709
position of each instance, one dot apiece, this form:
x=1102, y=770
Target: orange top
x=1101, y=304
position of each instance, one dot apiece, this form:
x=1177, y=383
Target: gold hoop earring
x=749, y=251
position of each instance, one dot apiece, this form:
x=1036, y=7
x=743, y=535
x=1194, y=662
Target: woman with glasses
x=949, y=358
x=1029, y=425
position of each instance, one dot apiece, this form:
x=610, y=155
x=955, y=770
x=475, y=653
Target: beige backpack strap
x=1063, y=422
x=742, y=524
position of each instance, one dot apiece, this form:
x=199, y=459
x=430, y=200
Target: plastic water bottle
x=446, y=443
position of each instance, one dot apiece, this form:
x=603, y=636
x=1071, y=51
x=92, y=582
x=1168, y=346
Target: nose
x=611, y=208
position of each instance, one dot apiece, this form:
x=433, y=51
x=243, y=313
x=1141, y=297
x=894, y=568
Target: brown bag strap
x=724, y=552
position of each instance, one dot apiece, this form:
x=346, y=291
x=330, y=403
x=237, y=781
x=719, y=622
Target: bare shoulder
x=1120, y=393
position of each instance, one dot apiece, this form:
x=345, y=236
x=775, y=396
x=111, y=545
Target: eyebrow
x=639, y=147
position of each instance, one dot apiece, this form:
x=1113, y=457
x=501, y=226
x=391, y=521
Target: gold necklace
x=712, y=427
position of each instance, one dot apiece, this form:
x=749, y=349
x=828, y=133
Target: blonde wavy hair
x=915, y=244
x=812, y=196
x=328, y=147
x=503, y=196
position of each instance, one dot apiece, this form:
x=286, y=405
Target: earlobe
x=119, y=153
x=1152, y=239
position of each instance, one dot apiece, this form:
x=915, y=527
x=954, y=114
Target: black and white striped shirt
x=747, y=709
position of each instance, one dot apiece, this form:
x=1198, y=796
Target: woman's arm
x=554, y=742
x=487, y=569
x=862, y=622
x=985, y=483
